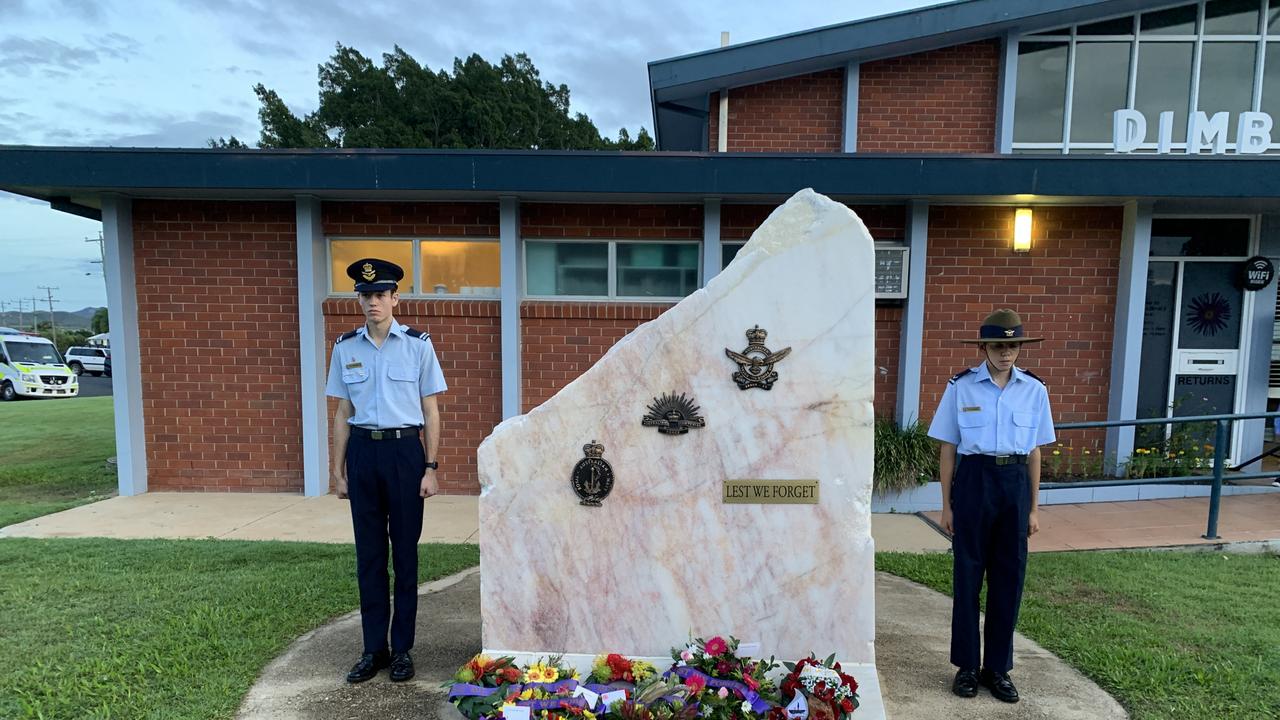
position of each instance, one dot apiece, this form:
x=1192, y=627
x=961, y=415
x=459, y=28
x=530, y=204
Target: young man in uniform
x=991, y=421
x=386, y=378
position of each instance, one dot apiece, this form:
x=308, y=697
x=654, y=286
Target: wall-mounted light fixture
x=1022, y=230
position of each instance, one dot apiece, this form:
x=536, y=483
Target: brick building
x=1136, y=134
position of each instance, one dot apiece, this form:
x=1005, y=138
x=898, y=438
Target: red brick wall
x=938, y=101
x=1064, y=289
x=218, y=335
x=387, y=219
x=468, y=340
x=561, y=220
x=796, y=114
x=885, y=222
x=559, y=341
x=467, y=334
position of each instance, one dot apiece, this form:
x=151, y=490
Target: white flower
x=746, y=707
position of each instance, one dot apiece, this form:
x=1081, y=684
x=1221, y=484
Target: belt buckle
x=375, y=434
x=1004, y=459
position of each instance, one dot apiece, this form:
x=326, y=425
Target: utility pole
x=20, y=315
x=35, y=326
x=53, y=326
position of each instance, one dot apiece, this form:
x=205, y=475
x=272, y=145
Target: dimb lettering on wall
x=1253, y=132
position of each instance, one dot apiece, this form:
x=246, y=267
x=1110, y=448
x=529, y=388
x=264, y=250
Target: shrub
x=906, y=457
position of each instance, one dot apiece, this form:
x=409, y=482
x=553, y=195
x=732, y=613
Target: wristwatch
x=433, y=465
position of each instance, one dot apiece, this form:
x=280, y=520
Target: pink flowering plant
x=724, y=685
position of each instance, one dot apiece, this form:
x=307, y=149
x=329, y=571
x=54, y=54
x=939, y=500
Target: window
x=460, y=267
x=611, y=269
x=729, y=251
x=1206, y=56
x=445, y=266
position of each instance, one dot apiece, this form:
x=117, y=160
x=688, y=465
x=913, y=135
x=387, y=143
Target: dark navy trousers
x=384, y=478
x=989, y=512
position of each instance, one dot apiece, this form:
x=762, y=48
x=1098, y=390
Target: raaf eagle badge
x=755, y=363
x=367, y=272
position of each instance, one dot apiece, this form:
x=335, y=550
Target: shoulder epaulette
x=417, y=333
x=1037, y=377
x=346, y=336
x=959, y=375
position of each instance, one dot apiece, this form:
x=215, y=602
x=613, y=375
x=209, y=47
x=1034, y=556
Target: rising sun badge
x=673, y=415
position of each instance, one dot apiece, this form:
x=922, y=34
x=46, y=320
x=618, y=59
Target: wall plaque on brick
x=771, y=492
x=891, y=272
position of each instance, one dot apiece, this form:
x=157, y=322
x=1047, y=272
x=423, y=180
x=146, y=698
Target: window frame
x=1262, y=39
x=611, y=268
x=415, y=273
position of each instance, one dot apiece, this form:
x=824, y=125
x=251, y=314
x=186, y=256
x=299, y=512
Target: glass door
x=1191, y=339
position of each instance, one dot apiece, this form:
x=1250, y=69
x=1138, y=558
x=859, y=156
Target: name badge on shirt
x=971, y=408
x=354, y=365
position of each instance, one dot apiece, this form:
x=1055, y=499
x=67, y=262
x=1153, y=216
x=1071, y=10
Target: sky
x=145, y=73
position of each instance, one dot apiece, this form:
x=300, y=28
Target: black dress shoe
x=1000, y=685
x=368, y=666
x=966, y=683
x=401, y=667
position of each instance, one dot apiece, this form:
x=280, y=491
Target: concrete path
x=239, y=516
x=1247, y=521
x=281, y=516
x=912, y=636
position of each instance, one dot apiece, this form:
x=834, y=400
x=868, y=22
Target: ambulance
x=30, y=366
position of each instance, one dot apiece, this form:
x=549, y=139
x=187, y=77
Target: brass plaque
x=771, y=492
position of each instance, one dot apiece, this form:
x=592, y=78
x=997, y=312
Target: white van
x=31, y=367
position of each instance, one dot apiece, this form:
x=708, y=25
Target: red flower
x=750, y=681
x=723, y=668
x=617, y=663
x=716, y=646
x=695, y=683
x=846, y=705
x=510, y=674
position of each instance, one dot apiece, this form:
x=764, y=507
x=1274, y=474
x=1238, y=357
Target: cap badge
x=367, y=272
x=1008, y=333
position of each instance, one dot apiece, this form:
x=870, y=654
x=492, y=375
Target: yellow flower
x=1057, y=452
x=551, y=674
x=537, y=673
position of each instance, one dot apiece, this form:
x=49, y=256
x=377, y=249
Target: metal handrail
x=1219, y=458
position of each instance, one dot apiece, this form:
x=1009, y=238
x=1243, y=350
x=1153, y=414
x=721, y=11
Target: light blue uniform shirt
x=385, y=385
x=981, y=418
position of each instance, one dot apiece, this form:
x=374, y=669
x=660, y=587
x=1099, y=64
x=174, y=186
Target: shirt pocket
x=1024, y=431
x=402, y=373
x=971, y=420
x=352, y=376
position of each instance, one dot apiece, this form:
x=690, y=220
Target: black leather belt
x=385, y=434
x=1002, y=459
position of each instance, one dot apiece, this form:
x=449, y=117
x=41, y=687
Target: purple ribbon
x=467, y=690
x=758, y=704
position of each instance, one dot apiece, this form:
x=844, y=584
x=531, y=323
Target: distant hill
x=68, y=320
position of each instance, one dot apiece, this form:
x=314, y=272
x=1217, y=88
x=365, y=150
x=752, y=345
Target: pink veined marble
x=664, y=558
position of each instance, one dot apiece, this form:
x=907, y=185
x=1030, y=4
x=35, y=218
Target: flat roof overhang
x=75, y=179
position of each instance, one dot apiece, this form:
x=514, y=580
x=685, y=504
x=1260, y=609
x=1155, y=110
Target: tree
x=100, y=323
x=404, y=104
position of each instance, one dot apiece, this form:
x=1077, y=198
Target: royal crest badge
x=593, y=476
x=755, y=363
x=673, y=415
x=367, y=272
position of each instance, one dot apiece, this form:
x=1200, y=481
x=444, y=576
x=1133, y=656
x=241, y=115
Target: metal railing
x=1222, y=423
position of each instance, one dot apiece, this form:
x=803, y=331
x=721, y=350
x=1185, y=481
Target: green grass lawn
x=1169, y=635
x=53, y=455
x=164, y=628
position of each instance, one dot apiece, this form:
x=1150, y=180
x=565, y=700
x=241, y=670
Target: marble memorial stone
x=665, y=558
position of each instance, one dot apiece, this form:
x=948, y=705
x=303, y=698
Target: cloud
x=23, y=55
